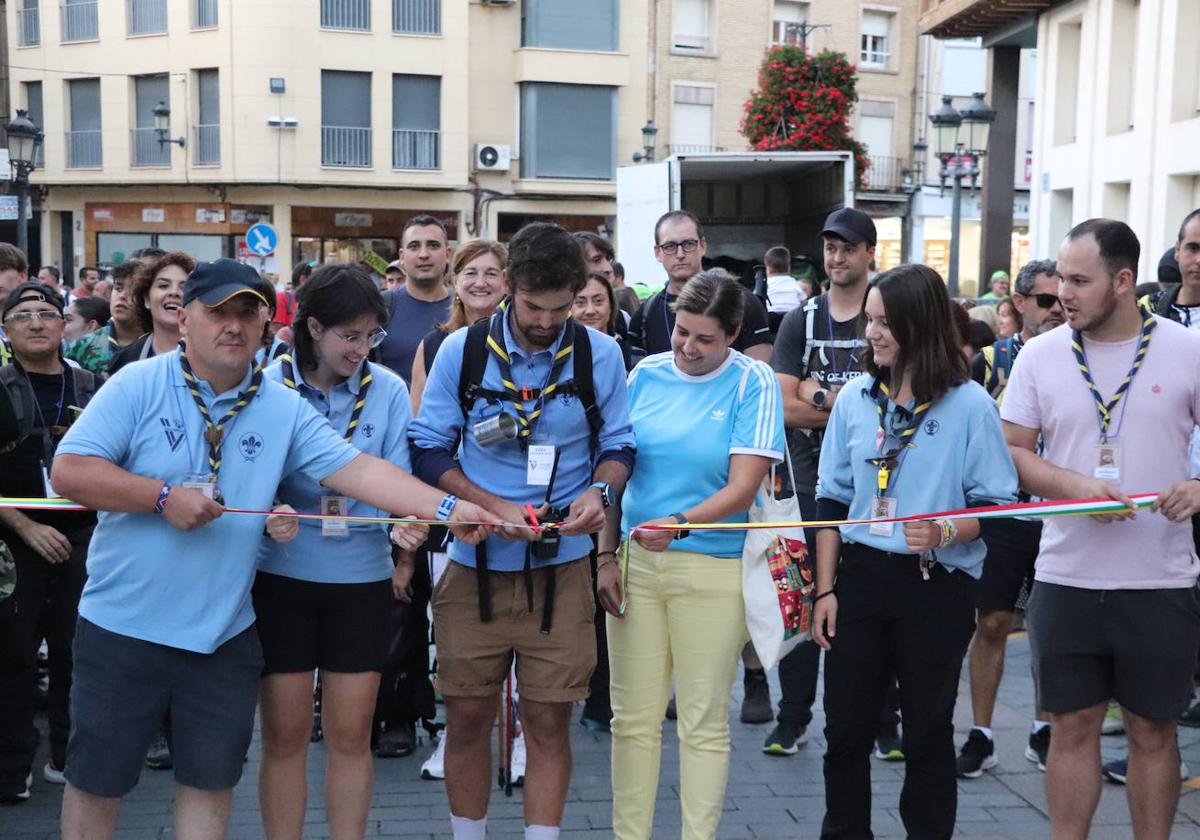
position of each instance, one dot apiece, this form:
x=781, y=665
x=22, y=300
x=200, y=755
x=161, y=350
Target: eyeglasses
x=1045, y=300
x=46, y=316
x=372, y=339
x=688, y=246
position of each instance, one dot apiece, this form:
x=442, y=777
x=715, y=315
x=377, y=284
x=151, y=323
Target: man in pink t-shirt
x=1114, y=394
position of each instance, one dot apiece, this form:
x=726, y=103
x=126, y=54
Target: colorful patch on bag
x=795, y=584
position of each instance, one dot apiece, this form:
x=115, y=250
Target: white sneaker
x=518, y=760
x=434, y=768
x=53, y=775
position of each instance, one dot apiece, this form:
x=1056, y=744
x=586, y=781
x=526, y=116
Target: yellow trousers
x=685, y=618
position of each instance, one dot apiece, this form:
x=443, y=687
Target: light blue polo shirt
x=958, y=459
x=190, y=590
x=687, y=427
x=501, y=468
x=364, y=555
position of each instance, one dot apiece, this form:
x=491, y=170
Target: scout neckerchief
x=364, y=382
x=528, y=402
x=215, y=432
x=889, y=463
x=1105, y=410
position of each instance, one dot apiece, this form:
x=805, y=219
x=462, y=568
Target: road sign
x=262, y=239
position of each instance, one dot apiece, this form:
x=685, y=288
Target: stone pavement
x=779, y=798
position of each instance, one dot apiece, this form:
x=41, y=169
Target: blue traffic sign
x=262, y=239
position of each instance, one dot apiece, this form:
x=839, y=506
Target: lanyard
x=520, y=397
x=889, y=464
x=215, y=432
x=850, y=360
x=1105, y=410
x=667, y=318
x=364, y=382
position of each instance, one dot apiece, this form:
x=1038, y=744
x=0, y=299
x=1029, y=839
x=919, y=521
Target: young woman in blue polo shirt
x=323, y=598
x=709, y=425
x=915, y=435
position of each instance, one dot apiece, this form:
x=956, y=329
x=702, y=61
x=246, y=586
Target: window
x=692, y=119
x=79, y=20
x=568, y=131
x=345, y=118
x=691, y=26
x=416, y=120
x=29, y=26
x=788, y=21
x=1122, y=67
x=36, y=112
x=876, y=39
x=204, y=14
x=207, y=141
x=83, y=136
x=146, y=17
x=148, y=92
x=346, y=14
x=417, y=17
x=1066, y=84
x=574, y=25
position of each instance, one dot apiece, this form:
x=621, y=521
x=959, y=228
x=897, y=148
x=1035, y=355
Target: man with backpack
x=539, y=406
x=39, y=397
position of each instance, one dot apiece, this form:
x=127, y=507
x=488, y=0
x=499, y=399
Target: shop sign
x=248, y=217
x=102, y=214
x=154, y=215
x=377, y=263
x=208, y=215
x=353, y=219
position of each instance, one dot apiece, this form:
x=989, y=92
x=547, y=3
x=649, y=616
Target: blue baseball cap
x=213, y=283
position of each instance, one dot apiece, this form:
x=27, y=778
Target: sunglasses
x=1045, y=300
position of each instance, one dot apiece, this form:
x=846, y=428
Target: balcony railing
x=693, y=149
x=147, y=151
x=417, y=17
x=204, y=14
x=29, y=27
x=345, y=146
x=413, y=149
x=84, y=150
x=885, y=174
x=146, y=17
x=207, y=144
x=80, y=22
x=346, y=14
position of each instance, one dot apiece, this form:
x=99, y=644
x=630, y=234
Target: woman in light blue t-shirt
x=709, y=425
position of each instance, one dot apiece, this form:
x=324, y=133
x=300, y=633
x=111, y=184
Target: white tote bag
x=778, y=576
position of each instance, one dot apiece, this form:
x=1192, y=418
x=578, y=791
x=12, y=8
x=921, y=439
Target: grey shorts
x=1137, y=646
x=123, y=690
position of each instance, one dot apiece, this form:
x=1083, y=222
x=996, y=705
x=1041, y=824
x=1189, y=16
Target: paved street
x=780, y=798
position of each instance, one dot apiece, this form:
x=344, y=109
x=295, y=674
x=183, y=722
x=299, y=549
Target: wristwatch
x=682, y=520
x=606, y=493
x=820, y=399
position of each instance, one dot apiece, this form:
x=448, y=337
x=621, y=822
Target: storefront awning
x=975, y=18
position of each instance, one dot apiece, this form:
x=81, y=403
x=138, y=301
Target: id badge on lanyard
x=1108, y=461
x=335, y=506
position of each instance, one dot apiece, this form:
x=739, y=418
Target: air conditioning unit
x=492, y=157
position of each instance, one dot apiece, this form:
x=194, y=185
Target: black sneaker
x=1192, y=716
x=397, y=742
x=888, y=746
x=15, y=789
x=978, y=754
x=1116, y=771
x=786, y=738
x=672, y=713
x=1038, y=747
x=158, y=757
x=756, y=704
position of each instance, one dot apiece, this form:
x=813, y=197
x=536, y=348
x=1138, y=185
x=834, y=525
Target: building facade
x=333, y=120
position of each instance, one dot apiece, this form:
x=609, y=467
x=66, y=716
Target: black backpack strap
x=585, y=387
x=475, y=358
x=16, y=420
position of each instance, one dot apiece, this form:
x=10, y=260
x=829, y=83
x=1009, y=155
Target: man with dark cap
x=166, y=621
x=42, y=394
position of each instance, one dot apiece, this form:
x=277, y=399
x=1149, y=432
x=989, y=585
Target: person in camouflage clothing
x=94, y=351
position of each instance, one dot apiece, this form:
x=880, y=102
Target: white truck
x=746, y=201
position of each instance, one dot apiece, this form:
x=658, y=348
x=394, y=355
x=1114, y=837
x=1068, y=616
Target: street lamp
x=23, y=140
x=960, y=159
x=162, y=125
x=649, y=132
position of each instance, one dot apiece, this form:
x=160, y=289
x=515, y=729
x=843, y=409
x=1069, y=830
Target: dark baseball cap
x=852, y=225
x=1168, y=268
x=32, y=291
x=213, y=283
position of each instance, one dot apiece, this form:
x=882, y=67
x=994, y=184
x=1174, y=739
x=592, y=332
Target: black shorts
x=1012, y=550
x=339, y=627
x=124, y=687
x=1137, y=646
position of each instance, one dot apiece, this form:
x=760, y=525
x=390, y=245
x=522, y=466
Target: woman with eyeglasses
x=157, y=298
x=323, y=595
x=913, y=436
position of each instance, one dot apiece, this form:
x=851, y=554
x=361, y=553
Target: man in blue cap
x=166, y=623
